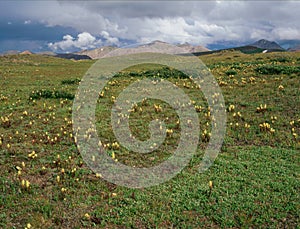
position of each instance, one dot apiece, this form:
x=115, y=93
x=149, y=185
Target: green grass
x=255, y=177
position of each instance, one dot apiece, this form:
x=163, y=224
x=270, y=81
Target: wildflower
x=87, y=216
x=261, y=108
x=295, y=135
x=198, y=108
x=169, y=132
x=98, y=175
x=18, y=168
x=63, y=190
x=247, y=126
x=32, y=155
x=280, y=87
x=157, y=108
x=231, y=108
x=113, y=98
x=115, y=145
x=58, y=179
x=27, y=184
x=210, y=184
x=113, y=156
x=273, y=118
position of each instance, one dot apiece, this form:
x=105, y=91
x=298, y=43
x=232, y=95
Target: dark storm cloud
x=26, y=31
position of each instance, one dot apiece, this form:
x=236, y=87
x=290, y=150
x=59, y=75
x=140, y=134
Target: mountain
x=267, y=45
x=289, y=44
x=27, y=52
x=190, y=48
x=155, y=46
x=97, y=53
x=11, y=52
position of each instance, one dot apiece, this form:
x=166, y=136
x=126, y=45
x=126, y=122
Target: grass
x=255, y=179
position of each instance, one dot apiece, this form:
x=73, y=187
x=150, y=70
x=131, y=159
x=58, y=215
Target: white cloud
x=287, y=33
x=198, y=22
x=27, y=22
x=109, y=40
x=83, y=41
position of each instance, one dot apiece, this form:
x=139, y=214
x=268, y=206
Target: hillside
x=253, y=183
x=97, y=53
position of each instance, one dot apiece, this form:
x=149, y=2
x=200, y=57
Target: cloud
x=84, y=41
x=197, y=22
x=109, y=40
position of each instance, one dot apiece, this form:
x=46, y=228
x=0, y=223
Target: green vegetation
x=162, y=72
x=48, y=94
x=278, y=69
x=254, y=182
x=71, y=81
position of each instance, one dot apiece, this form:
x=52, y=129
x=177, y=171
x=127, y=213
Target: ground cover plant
x=254, y=182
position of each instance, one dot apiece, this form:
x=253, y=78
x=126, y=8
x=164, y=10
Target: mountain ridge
x=259, y=46
x=266, y=44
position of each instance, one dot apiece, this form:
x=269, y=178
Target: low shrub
x=70, y=81
x=48, y=94
x=277, y=69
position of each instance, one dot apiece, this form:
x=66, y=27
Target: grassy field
x=254, y=182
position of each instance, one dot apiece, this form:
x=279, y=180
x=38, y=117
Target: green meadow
x=254, y=182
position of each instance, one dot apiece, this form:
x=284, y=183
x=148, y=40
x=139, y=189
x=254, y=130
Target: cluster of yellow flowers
x=32, y=155
x=5, y=122
x=198, y=108
x=25, y=184
x=169, y=132
x=231, y=108
x=205, y=136
x=247, y=126
x=101, y=94
x=266, y=127
x=252, y=79
x=3, y=98
x=261, y=108
x=292, y=123
x=157, y=108
x=237, y=114
x=115, y=145
x=273, y=119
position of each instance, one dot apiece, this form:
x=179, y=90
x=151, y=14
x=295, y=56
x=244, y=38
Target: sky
x=67, y=26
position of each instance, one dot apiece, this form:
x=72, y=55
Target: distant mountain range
x=155, y=46
x=160, y=46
